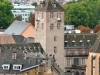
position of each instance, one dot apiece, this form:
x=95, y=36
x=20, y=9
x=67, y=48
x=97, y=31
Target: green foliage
x=82, y=12
x=6, y=16
x=30, y=16
x=19, y=18
x=34, y=4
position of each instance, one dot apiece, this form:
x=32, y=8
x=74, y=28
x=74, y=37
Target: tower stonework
x=49, y=29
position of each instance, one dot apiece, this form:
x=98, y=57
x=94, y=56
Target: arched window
x=82, y=73
x=77, y=73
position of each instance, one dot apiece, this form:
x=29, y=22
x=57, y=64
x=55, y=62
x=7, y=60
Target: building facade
x=23, y=10
x=49, y=29
x=93, y=60
x=77, y=49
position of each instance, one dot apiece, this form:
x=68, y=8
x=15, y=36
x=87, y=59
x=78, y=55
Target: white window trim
x=17, y=66
x=69, y=62
x=84, y=61
x=8, y=66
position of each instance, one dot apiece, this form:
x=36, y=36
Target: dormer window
x=89, y=42
x=6, y=66
x=81, y=43
x=74, y=43
x=54, y=5
x=66, y=43
x=17, y=67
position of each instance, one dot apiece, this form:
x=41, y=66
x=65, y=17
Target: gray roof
x=17, y=27
x=96, y=47
x=70, y=38
x=18, y=38
x=48, y=6
x=28, y=63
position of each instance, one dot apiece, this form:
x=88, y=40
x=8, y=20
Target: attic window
x=66, y=43
x=54, y=5
x=89, y=42
x=17, y=67
x=81, y=43
x=74, y=43
x=6, y=66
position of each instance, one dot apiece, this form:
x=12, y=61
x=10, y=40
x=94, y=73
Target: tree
x=6, y=16
x=34, y=4
x=31, y=19
x=97, y=28
x=84, y=29
x=82, y=12
x=19, y=18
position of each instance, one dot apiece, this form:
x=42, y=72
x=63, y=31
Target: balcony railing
x=77, y=52
x=76, y=67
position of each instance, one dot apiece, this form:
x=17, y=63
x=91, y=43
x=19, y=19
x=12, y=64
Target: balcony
x=72, y=53
x=76, y=67
x=38, y=19
x=58, y=19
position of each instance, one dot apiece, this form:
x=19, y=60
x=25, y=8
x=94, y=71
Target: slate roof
x=48, y=6
x=96, y=47
x=17, y=27
x=70, y=38
x=8, y=39
x=18, y=38
x=29, y=62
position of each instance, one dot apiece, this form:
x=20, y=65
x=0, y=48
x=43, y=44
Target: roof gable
x=47, y=5
x=17, y=27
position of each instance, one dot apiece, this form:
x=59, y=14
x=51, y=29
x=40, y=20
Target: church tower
x=49, y=29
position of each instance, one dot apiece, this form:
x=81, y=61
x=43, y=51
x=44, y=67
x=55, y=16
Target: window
x=68, y=61
x=55, y=49
x=54, y=5
x=74, y=43
x=38, y=16
x=6, y=66
x=81, y=43
x=58, y=15
x=51, y=26
x=17, y=67
x=89, y=42
x=66, y=43
x=42, y=25
x=37, y=25
x=51, y=15
x=58, y=26
x=83, y=61
x=76, y=61
x=55, y=38
x=42, y=14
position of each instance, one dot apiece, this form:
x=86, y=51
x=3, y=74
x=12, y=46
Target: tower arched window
x=51, y=26
x=51, y=15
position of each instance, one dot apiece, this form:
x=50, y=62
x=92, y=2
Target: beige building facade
x=93, y=60
x=49, y=29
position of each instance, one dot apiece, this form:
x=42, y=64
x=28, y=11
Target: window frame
x=51, y=14
x=55, y=49
x=6, y=66
x=58, y=25
x=17, y=67
x=68, y=61
x=51, y=26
